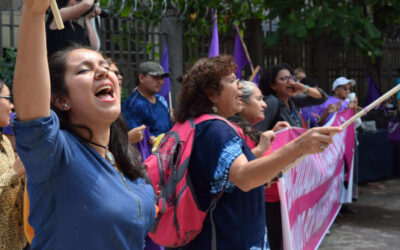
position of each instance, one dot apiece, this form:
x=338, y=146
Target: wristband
x=308, y=90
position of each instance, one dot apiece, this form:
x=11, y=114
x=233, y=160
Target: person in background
x=7, y=131
x=70, y=11
x=135, y=135
x=221, y=160
x=253, y=112
x=85, y=182
x=144, y=106
x=11, y=183
x=300, y=74
x=284, y=96
x=341, y=100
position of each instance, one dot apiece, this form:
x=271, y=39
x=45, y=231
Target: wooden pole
x=56, y=14
x=245, y=48
x=254, y=73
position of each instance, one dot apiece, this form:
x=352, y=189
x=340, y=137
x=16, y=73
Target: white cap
x=342, y=81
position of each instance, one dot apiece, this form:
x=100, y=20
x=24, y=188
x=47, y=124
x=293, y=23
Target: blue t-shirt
x=239, y=216
x=77, y=198
x=137, y=110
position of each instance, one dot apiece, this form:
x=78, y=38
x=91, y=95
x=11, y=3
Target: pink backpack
x=179, y=220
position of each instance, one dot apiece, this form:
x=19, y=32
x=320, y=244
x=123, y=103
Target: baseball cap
x=342, y=81
x=152, y=68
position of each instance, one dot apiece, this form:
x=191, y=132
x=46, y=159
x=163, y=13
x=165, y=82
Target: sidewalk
x=376, y=225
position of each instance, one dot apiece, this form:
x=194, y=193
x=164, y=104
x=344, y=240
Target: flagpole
x=255, y=72
x=364, y=111
x=245, y=48
x=56, y=14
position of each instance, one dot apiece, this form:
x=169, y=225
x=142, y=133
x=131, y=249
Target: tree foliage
x=7, y=64
x=358, y=24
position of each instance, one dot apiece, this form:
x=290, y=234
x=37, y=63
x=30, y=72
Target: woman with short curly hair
x=221, y=163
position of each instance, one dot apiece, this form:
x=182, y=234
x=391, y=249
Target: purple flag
x=166, y=88
x=239, y=55
x=214, y=45
x=144, y=146
x=373, y=92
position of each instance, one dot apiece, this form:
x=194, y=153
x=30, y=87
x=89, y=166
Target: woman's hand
x=18, y=167
x=316, y=140
x=299, y=88
x=334, y=107
x=265, y=141
x=136, y=134
x=281, y=125
x=95, y=11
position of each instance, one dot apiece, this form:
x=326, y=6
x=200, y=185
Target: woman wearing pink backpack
x=221, y=163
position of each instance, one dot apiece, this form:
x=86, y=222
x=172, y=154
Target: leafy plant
x=7, y=65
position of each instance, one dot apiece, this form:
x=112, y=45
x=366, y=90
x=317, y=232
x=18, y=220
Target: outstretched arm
x=73, y=12
x=31, y=87
x=248, y=175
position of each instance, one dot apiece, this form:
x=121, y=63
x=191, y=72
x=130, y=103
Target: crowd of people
x=74, y=153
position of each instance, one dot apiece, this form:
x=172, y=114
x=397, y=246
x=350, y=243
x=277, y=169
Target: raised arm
x=73, y=12
x=31, y=87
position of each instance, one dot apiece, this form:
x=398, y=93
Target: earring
x=65, y=106
x=214, y=109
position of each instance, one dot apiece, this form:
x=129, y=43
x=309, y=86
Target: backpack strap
x=217, y=197
x=210, y=209
x=206, y=117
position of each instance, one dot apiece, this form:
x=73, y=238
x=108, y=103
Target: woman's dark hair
x=62, y=3
x=126, y=156
x=269, y=76
x=203, y=78
x=247, y=128
x=309, y=81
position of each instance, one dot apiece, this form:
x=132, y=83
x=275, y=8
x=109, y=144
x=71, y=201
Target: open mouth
x=105, y=92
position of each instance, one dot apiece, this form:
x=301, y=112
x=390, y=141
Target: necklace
x=109, y=156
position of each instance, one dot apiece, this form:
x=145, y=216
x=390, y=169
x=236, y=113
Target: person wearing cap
x=144, y=105
x=341, y=99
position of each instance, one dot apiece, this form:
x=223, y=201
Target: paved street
x=376, y=223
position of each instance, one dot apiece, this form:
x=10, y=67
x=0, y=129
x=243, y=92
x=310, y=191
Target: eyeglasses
x=9, y=98
x=287, y=78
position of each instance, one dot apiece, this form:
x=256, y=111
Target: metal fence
x=129, y=42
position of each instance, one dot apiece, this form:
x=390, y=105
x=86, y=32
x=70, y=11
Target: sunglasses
x=287, y=78
x=9, y=98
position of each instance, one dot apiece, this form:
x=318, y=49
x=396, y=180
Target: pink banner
x=311, y=192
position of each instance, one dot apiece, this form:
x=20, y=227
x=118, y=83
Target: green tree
x=7, y=64
x=359, y=24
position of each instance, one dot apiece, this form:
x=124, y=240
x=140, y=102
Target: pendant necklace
x=109, y=156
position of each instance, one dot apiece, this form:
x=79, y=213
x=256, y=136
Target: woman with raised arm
x=84, y=181
x=222, y=162
x=73, y=33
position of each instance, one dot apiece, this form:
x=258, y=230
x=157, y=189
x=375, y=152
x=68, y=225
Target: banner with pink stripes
x=311, y=192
